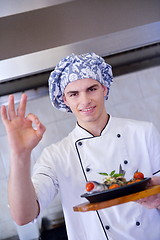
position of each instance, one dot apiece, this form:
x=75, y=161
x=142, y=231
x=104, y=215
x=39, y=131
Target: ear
x=65, y=100
x=105, y=90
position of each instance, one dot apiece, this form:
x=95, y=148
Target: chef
x=98, y=143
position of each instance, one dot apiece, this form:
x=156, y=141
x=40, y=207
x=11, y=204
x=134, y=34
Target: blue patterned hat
x=76, y=67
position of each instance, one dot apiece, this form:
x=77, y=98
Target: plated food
x=115, y=186
x=112, y=181
x=121, y=195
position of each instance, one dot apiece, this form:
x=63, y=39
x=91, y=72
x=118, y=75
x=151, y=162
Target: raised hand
x=22, y=136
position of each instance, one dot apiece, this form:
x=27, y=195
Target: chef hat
x=76, y=67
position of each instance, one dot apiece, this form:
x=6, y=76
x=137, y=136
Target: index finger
x=22, y=106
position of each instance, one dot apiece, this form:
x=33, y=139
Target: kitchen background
x=37, y=34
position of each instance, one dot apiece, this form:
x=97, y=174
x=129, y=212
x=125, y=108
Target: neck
x=96, y=129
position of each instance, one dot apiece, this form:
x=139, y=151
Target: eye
x=73, y=94
x=92, y=89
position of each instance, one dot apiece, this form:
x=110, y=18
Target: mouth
x=90, y=109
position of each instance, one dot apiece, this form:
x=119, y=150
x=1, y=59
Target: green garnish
x=112, y=174
x=105, y=174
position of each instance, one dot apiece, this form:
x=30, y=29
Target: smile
x=87, y=109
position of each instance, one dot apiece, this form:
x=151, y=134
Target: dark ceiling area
x=70, y=22
x=122, y=63
x=36, y=35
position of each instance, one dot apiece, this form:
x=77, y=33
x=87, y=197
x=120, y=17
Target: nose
x=85, y=100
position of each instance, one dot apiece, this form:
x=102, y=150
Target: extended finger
x=22, y=106
x=11, y=108
x=4, y=115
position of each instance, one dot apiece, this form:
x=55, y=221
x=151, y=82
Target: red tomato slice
x=138, y=175
x=89, y=186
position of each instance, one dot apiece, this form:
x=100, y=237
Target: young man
x=99, y=143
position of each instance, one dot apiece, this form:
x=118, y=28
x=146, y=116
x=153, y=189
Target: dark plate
x=117, y=192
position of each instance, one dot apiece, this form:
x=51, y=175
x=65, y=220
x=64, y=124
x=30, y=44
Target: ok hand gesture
x=22, y=136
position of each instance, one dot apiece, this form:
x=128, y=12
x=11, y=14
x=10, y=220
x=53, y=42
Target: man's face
x=85, y=97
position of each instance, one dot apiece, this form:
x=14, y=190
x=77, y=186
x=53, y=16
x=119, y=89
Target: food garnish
x=138, y=175
x=94, y=186
x=112, y=181
x=114, y=185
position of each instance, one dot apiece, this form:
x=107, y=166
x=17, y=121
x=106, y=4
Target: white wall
x=135, y=95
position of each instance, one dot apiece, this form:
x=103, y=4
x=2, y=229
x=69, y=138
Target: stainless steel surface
x=104, y=45
x=11, y=7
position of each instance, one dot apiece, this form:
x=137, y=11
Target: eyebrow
x=94, y=85
x=73, y=92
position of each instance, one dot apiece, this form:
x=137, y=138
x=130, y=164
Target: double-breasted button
x=137, y=223
x=88, y=169
x=118, y=135
x=107, y=227
x=125, y=161
x=80, y=143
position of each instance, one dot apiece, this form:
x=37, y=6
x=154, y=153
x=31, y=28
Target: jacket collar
x=83, y=133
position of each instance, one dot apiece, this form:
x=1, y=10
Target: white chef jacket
x=67, y=165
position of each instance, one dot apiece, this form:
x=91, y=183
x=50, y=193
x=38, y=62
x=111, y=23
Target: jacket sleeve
x=45, y=180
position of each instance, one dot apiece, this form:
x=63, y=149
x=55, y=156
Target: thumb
x=155, y=181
